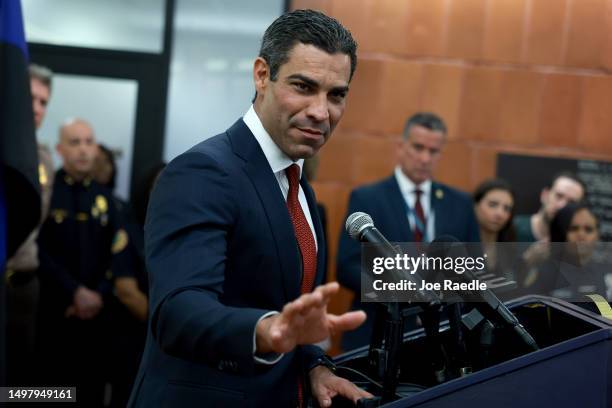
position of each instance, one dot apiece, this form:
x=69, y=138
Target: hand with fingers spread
x=325, y=385
x=304, y=321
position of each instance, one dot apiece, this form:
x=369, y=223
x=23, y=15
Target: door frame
x=149, y=70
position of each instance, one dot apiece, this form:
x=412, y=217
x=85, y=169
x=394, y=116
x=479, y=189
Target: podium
x=573, y=367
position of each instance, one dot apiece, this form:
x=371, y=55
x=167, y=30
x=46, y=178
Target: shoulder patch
x=120, y=241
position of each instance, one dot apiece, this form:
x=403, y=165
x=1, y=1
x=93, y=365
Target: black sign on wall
x=529, y=174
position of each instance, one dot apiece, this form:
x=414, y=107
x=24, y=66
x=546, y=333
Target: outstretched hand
x=304, y=321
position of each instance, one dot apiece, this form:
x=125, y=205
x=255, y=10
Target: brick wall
x=522, y=76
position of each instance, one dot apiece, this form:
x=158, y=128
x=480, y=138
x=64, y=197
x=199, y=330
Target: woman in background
x=494, y=204
x=575, y=268
x=494, y=208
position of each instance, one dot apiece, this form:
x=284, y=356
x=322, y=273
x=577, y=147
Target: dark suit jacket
x=383, y=201
x=221, y=251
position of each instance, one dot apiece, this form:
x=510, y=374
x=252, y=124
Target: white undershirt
x=407, y=188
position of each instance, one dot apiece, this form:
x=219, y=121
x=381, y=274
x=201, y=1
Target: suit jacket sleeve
x=190, y=220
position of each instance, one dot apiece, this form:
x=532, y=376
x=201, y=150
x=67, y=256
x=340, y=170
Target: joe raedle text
x=446, y=284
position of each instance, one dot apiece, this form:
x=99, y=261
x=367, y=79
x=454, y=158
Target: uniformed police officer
x=22, y=285
x=81, y=242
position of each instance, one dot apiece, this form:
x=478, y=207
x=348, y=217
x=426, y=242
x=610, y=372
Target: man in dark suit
x=234, y=245
x=408, y=206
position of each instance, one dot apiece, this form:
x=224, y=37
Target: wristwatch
x=323, y=361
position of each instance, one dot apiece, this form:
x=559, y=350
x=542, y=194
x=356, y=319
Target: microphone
x=495, y=310
x=360, y=227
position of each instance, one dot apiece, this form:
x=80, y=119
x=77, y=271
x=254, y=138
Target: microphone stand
x=431, y=324
x=458, y=335
x=388, y=335
x=385, y=348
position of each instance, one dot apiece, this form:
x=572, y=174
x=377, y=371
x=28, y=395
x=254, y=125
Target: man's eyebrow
x=340, y=88
x=305, y=79
x=315, y=84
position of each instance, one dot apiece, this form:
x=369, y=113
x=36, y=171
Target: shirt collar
x=68, y=179
x=277, y=159
x=407, y=186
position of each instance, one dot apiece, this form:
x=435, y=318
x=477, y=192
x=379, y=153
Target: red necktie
x=420, y=224
x=305, y=240
x=303, y=233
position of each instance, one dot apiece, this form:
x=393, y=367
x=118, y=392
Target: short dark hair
x=569, y=175
x=507, y=233
x=428, y=120
x=308, y=27
x=41, y=73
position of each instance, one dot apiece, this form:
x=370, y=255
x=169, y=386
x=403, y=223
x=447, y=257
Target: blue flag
x=19, y=187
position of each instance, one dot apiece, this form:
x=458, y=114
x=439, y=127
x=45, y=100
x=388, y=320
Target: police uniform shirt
x=82, y=239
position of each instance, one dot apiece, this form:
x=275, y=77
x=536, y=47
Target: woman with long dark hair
x=494, y=208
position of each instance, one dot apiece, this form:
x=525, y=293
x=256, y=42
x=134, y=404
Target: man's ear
x=261, y=75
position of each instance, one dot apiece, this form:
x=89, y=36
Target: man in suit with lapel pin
x=408, y=206
x=234, y=245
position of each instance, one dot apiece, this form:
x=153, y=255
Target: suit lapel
x=258, y=170
x=397, y=210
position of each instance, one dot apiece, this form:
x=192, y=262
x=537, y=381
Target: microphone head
x=356, y=223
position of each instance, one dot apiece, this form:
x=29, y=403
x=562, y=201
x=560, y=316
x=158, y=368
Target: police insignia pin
x=101, y=203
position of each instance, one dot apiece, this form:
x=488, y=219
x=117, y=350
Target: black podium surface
x=573, y=367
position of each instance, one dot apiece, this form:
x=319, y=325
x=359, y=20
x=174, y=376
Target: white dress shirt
x=407, y=188
x=278, y=162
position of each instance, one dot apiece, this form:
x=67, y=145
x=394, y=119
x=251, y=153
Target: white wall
x=211, y=83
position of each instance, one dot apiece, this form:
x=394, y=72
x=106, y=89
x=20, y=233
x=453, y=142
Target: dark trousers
x=127, y=338
x=74, y=353
x=22, y=292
